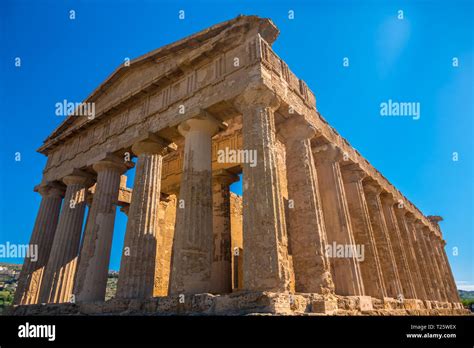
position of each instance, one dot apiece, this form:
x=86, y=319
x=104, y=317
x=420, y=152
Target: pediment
x=159, y=67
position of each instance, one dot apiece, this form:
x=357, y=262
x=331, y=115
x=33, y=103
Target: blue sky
x=406, y=60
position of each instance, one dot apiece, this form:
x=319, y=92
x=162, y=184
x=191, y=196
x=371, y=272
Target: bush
x=469, y=303
x=6, y=298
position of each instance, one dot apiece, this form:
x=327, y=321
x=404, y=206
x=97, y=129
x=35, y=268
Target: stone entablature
x=175, y=109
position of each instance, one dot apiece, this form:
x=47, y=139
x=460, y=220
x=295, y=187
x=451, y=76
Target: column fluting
x=93, y=263
x=60, y=271
x=370, y=266
x=138, y=264
x=346, y=271
x=306, y=228
x=382, y=240
x=193, y=238
x=31, y=275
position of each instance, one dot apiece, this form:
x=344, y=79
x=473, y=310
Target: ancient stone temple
x=318, y=229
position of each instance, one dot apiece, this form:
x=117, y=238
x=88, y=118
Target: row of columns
x=402, y=256
x=334, y=204
x=68, y=270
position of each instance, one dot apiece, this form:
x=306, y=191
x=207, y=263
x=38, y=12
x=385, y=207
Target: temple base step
x=246, y=303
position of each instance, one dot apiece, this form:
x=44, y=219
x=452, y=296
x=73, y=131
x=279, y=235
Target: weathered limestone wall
x=236, y=228
x=167, y=217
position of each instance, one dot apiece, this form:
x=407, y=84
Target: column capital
x=152, y=144
x=419, y=224
x=352, y=172
x=203, y=123
x=387, y=197
x=435, y=219
x=426, y=230
x=438, y=233
x=327, y=153
x=50, y=189
x=78, y=177
x=112, y=162
x=372, y=188
x=257, y=95
x=410, y=217
x=297, y=128
x=401, y=211
x=224, y=177
x=435, y=234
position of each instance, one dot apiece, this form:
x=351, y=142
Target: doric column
x=371, y=269
x=60, y=271
x=445, y=269
x=432, y=265
x=93, y=265
x=31, y=275
x=137, y=266
x=221, y=269
x=420, y=256
x=427, y=266
x=382, y=239
x=436, y=245
x=193, y=238
x=440, y=270
x=404, y=273
x=345, y=268
x=408, y=242
x=265, y=240
x=306, y=229
x=454, y=298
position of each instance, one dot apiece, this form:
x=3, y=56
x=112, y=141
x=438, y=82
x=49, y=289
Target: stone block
x=116, y=305
x=390, y=303
x=91, y=308
x=325, y=306
x=413, y=304
x=365, y=303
